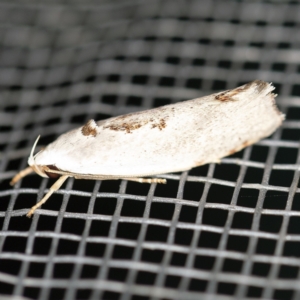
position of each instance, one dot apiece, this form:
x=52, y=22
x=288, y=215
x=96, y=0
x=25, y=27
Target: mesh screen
x=219, y=231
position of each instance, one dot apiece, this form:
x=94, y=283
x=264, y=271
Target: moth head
x=31, y=161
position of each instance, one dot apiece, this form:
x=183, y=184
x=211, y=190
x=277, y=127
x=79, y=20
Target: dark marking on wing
x=227, y=95
x=129, y=124
x=90, y=128
x=128, y=127
x=160, y=125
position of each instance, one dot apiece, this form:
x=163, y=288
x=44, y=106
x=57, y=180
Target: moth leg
x=57, y=184
x=20, y=175
x=147, y=180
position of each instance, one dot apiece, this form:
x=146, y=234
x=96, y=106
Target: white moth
x=167, y=139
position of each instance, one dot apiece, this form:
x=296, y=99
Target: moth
x=170, y=138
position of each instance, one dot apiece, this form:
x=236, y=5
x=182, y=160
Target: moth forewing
x=167, y=139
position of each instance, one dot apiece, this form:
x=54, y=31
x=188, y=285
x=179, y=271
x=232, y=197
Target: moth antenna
x=31, y=159
x=34, y=145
